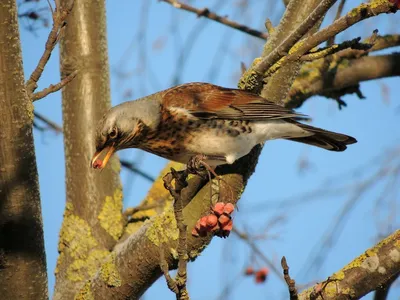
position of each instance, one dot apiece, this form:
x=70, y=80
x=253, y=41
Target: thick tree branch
x=23, y=273
x=374, y=268
x=205, y=12
x=342, y=78
x=93, y=220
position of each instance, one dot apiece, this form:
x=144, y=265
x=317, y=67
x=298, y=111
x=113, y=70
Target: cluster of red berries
x=260, y=276
x=219, y=221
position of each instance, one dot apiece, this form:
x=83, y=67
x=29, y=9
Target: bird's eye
x=113, y=133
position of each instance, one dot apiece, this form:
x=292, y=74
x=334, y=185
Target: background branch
x=205, y=12
x=377, y=266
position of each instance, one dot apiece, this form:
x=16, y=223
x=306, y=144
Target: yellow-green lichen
x=85, y=292
x=115, y=164
x=111, y=214
x=163, y=229
x=109, y=273
x=76, y=236
x=174, y=253
x=331, y=290
x=80, y=269
x=251, y=80
x=370, y=255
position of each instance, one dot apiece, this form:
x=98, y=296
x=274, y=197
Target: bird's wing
x=207, y=101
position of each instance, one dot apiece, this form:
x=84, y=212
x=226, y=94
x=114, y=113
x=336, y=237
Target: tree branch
x=294, y=37
x=342, y=79
x=59, y=16
x=205, y=12
x=362, y=12
x=54, y=88
x=374, y=268
x=289, y=281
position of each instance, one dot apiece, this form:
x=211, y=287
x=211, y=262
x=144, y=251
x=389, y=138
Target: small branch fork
x=270, y=64
x=177, y=285
x=205, y=12
x=289, y=281
x=59, y=16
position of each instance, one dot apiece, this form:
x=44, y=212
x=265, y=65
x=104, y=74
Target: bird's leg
x=197, y=164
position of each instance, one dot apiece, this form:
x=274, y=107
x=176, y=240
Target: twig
x=52, y=125
x=205, y=12
x=54, y=88
x=164, y=268
x=131, y=167
x=181, y=276
x=362, y=12
x=59, y=17
x=269, y=26
x=323, y=52
x=339, y=11
x=294, y=37
x=131, y=210
x=289, y=281
x=382, y=292
x=257, y=251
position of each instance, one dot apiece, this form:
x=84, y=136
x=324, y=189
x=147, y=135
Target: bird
x=222, y=124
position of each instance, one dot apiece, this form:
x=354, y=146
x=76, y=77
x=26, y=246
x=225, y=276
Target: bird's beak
x=97, y=163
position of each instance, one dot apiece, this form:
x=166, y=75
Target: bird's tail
x=324, y=139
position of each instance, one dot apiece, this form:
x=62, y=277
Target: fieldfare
x=222, y=124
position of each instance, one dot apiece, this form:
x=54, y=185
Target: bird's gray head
x=125, y=126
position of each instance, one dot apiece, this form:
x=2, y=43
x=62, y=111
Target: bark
x=279, y=84
x=23, y=272
x=93, y=219
x=342, y=79
x=371, y=270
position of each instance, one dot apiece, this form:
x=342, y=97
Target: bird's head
x=123, y=126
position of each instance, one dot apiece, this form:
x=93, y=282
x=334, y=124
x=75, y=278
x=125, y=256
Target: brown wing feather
x=205, y=101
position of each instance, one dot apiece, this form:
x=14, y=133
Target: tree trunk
x=93, y=219
x=22, y=259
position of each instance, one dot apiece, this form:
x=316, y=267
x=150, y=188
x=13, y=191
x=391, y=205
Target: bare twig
x=294, y=37
x=289, y=281
x=52, y=125
x=331, y=40
x=205, y=12
x=181, y=276
x=59, y=17
x=131, y=167
x=323, y=52
x=383, y=291
x=54, y=88
x=164, y=267
x=243, y=236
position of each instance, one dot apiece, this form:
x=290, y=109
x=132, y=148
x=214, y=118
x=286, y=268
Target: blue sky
x=143, y=54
